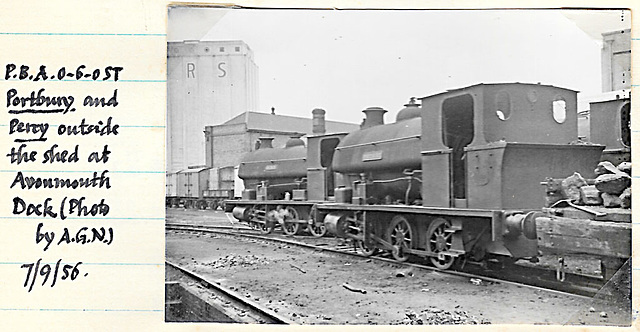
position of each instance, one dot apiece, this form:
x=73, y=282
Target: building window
x=559, y=108
x=221, y=49
x=237, y=48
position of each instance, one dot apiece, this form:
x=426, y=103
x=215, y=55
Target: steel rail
x=581, y=292
x=255, y=308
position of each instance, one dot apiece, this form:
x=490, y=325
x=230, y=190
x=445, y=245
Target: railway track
x=537, y=278
x=231, y=304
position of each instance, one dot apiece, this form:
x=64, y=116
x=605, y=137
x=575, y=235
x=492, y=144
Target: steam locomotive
x=456, y=176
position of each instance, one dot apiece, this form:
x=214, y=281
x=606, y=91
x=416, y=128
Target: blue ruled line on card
x=152, y=264
x=69, y=171
x=152, y=172
x=137, y=81
x=89, y=310
x=72, y=80
x=87, y=218
x=122, y=126
x=132, y=126
x=83, y=34
x=88, y=263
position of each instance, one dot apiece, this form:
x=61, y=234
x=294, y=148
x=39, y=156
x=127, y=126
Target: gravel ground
x=309, y=286
x=316, y=287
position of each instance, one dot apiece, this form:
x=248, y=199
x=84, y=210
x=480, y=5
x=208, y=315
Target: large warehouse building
x=208, y=82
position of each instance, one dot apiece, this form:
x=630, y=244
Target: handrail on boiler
x=378, y=142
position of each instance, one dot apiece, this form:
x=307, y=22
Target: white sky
x=344, y=61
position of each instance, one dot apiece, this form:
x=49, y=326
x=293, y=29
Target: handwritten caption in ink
x=31, y=144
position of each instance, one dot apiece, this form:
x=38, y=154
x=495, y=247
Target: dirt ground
x=317, y=287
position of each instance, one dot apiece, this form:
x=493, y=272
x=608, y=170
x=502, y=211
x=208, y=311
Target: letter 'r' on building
x=191, y=70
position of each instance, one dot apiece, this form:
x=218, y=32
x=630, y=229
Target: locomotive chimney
x=374, y=116
x=266, y=143
x=318, y=121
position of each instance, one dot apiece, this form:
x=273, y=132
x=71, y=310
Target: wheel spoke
x=364, y=249
x=290, y=226
x=440, y=241
x=399, y=235
x=317, y=229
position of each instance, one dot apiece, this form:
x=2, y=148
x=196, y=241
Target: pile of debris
x=611, y=188
x=232, y=260
x=435, y=316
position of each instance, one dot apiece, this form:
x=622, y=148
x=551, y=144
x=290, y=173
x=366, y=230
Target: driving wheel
x=317, y=229
x=364, y=250
x=400, y=236
x=440, y=237
x=259, y=215
x=291, y=224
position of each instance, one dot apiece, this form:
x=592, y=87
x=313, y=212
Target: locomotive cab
x=610, y=125
x=321, y=178
x=488, y=146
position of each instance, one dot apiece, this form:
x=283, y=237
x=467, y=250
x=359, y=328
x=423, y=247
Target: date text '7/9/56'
x=66, y=272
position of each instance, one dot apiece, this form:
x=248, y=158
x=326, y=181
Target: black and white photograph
x=398, y=167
